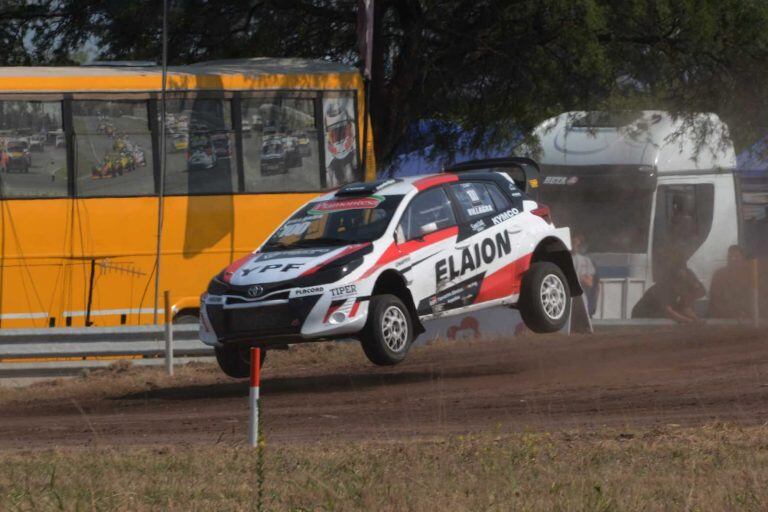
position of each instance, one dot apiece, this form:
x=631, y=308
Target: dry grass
x=709, y=468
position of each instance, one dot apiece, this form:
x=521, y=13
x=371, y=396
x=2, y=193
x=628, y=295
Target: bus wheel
x=234, y=360
x=186, y=318
x=545, y=299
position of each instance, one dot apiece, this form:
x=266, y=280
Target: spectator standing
x=731, y=291
x=585, y=270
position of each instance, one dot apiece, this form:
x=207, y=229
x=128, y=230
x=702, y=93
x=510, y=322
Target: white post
x=168, y=334
x=253, y=431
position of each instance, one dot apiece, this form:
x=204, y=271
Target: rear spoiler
x=524, y=171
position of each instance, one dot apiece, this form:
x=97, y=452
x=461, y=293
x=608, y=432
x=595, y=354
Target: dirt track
x=626, y=379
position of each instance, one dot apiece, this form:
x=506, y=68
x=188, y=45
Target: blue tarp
x=753, y=161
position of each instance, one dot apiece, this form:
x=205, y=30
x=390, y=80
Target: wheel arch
x=393, y=282
x=554, y=250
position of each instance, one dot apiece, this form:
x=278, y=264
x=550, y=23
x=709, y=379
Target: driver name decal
x=473, y=257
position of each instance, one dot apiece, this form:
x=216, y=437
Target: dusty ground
x=649, y=379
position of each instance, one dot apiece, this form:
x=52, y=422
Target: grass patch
x=707, y=468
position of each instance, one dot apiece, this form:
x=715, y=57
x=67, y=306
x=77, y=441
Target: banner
x=340, y=137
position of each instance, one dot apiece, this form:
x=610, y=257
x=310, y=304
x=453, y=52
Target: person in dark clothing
x=731, y=290
x=671, y=297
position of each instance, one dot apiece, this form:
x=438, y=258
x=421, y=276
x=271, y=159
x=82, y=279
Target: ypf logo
x=255, y=290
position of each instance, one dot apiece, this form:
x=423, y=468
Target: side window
x=280, y=144
x=33, y=161
x=474, y=200
x=113, y=154
x=500, y=201
x=682, y=222
x=200, y=146
x=429, y=211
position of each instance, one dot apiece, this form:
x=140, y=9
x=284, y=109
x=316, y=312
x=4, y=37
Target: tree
x=495, y=68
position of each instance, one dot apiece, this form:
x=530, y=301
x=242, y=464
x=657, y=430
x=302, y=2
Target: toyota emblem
x=255, y=291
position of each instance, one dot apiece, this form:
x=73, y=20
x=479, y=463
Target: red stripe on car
x=235, y=266
x=331, y=310
x=431, y=181
x=505, y=281
x=395, y=251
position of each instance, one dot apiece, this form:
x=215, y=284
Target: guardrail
x=66, y=351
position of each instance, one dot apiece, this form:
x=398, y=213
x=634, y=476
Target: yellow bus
x=247, y=142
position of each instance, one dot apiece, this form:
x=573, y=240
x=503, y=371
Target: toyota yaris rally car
x=375, y=260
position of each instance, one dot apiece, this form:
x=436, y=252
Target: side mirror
x=428, y=228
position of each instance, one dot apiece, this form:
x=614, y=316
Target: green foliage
x=494, y=67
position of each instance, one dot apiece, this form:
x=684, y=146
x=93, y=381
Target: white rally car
x=374, y=260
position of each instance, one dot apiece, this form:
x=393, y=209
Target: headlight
x=216, y=286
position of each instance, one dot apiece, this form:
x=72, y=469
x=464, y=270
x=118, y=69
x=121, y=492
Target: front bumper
x=226, y=319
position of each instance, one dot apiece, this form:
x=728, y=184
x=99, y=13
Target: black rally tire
x=373, y=338
x=538, y=316
x=235, y=360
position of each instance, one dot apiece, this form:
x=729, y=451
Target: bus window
x=682, y=222
x=33, y=160
x=200, y=146
x=280, y=144
x=113, y=148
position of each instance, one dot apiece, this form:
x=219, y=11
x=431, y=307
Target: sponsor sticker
x=352, y=203
x=303, y=292
x=505, y=215
x=344, y=291
x=478, y=226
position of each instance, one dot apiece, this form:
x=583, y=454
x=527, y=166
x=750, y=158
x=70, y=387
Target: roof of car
x=398, y=186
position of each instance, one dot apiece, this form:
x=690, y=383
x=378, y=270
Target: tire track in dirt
x=622, y=379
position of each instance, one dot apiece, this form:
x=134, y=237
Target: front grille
x=266, y=320
x=276, y=320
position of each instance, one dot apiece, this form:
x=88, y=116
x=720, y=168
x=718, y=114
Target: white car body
x=316, y=292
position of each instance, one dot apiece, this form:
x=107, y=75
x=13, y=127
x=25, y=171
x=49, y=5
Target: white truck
x=632, y=182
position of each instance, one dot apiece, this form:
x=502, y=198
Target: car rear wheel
x=388, y=334
x=235, y=360
x=545, y=298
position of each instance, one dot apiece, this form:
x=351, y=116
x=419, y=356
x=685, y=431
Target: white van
x=634, y=182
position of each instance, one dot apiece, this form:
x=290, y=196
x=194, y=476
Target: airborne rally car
x=374, y=260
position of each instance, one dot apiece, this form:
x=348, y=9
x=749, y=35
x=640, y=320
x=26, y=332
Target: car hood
x=278, y=266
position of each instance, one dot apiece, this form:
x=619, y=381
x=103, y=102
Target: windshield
x=339, y=221
x=612, y=213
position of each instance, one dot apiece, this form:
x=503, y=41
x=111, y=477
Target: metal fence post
x=168, y=333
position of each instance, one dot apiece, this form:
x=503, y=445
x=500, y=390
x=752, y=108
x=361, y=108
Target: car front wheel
x=545, y=298
x=388, y=334
x=235, y=360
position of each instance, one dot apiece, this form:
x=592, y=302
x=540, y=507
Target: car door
x=425, y=233
x=485, y=265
